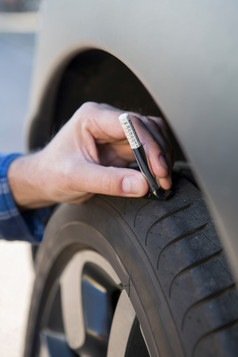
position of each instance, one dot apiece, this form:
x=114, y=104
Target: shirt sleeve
x=15, y=225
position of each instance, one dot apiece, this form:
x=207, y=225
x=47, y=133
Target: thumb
x=114, y=181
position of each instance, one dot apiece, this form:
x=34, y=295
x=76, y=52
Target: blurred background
x=18, y=35
x=19, y=5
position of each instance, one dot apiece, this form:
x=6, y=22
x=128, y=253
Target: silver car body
x=186, y=54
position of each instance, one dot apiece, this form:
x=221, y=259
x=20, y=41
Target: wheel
x=133, y=277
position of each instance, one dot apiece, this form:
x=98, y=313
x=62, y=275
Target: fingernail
x=130, y=184
x=163, y=162
x=165, y=183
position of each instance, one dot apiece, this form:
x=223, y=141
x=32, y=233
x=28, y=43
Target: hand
x=90, y=154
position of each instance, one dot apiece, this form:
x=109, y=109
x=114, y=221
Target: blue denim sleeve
x=15, y=225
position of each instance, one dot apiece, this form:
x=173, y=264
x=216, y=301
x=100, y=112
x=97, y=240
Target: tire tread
x=181, y=243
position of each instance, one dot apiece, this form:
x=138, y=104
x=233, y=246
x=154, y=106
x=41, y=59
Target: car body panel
x=186, y=55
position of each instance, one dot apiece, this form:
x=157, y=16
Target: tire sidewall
x=95, y=225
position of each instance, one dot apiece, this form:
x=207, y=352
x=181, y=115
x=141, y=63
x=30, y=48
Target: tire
x=166, y=256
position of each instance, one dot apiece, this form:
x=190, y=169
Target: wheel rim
x=87, y=313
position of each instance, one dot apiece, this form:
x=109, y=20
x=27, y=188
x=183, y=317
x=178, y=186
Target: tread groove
x=167, y=215
x=223, y=327
x=192, y=266
x=139, y=209
x=212, y=241
x=177, y=239
x=205, y=299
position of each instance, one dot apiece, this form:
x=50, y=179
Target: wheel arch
x=89, y=75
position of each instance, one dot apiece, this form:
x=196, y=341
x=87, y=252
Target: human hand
x=90, y=154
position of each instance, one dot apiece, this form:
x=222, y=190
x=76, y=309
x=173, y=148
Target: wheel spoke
x=122, y=323
x=98, y=318
x=86, y=299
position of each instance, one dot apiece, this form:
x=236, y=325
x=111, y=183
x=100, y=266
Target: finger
x=161, y=133
x=101, y=121
x=165, y=182
x=111, y=181
x=154, y=153
x=159, y=130
x=162, y=130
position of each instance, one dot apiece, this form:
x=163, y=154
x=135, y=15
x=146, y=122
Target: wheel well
x=95, y=75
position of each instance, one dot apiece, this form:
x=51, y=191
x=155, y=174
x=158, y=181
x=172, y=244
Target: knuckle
x=109, y=184
x=86, y=108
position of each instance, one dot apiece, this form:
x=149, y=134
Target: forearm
x=15, y=223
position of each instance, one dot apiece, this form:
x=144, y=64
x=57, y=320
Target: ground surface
x=16, y=273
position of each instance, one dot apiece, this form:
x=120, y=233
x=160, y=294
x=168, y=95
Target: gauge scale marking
x=130, y=131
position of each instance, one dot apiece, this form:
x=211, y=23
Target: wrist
x=26, y=182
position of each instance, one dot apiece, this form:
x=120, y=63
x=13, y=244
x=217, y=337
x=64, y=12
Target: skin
x=89, y=155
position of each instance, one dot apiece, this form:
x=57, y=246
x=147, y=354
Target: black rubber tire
x=169, y=259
